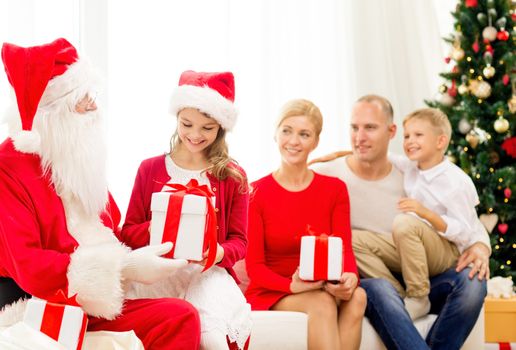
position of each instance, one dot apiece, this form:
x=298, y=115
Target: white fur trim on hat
x=13, y=313
x=207, y=101
x=78, y=76
x=95, y=275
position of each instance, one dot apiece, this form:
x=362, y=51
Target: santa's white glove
x=145, y=265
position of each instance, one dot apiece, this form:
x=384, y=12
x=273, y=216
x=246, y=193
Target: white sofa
x=288, y=330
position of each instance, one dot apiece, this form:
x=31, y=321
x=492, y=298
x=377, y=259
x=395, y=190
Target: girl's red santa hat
x=210, y=93
x=43, y=76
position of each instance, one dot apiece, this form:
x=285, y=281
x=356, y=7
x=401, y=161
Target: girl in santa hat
x=203, y=104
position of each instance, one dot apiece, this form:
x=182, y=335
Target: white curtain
x=329, y=51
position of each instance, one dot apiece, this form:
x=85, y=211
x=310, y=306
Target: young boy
x=439, y=216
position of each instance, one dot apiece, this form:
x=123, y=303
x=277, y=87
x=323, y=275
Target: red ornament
x=471, y=3
x=507, y=192
x=489, y=49
x=509, y=146
x=447, y=60
x=475, y=46
x=502, y=35
x=486, y=41
x=452, y=91
x=503, y=228
x=506, y=79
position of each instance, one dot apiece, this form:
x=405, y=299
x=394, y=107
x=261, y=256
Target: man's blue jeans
x=455, y=298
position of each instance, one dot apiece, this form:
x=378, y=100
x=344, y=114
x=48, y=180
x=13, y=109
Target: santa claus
x=58, y=223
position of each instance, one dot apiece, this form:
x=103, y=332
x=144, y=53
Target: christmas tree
x=479, y=97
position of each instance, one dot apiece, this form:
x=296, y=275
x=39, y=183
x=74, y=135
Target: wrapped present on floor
x=61, y=318
x=185, y=216
x=500, y=320
x=320, y=258
x=500, y=346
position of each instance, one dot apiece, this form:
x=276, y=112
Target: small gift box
x=320, y=258
x=62, y=319
x=185, y=216
x=500, y=320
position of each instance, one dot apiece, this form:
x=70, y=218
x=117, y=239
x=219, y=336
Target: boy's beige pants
x=415, y=250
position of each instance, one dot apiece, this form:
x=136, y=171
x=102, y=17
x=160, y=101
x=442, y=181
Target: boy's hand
x=410, y=204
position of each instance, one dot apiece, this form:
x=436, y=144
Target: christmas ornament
x=506, y=79
x=463, y=89
x=503, y=228
x=472, y=139
x=494, y=157
x=446, y=99
x=457, y=54
x=480, y=89
x=452, y=91
x=447, y=60
x=501, y=125
x=489, y=71
x=509, y=146
x=482, y=19
x=452, y=158
x=464, y=126
x=507, y=193
x=475, y=46
x=489, y=221
x=489, y=33
x=502, y=35
x=512, y=104
x=471, y=3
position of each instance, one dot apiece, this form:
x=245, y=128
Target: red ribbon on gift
x=175, y=204
x=53, y=316
x=321, y=257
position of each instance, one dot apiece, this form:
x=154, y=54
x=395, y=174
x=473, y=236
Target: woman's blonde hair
x=218, y=157
x=301, y=107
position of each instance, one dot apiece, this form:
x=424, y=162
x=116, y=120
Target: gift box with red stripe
x=320, y=258
x=64, y=323
x=500, y=346
x=185, y=216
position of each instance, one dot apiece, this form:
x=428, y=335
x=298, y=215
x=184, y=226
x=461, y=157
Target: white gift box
x=329, y=270
x=190, y=233
x=66, y=324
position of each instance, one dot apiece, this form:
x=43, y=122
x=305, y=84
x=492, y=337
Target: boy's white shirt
x=447, y=191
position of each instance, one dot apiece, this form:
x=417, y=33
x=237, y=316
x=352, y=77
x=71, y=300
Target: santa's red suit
x=43, y=250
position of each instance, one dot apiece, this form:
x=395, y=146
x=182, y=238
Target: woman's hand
x=298, y=285
x=345, y=288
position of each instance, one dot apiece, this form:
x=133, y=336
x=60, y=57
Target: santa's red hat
x=210, y=93
x=40, y=76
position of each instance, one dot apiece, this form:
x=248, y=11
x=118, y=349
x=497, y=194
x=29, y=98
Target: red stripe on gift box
x=321, y=258
x=52, y=318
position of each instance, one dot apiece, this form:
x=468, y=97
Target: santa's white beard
x=73, y=150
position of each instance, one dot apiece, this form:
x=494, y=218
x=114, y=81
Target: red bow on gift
x=172, y=221
x=61, y=298
x=320, y=253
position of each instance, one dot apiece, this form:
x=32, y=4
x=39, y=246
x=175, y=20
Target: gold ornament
x=463, y=89
x=464, y=126
x=446, y=99
x=512, y=104
x=452, y=158
x=472, y=139
x=501, y=125
x=489, y=71
x=480, y=88
x=489, y=33
x=457, y=53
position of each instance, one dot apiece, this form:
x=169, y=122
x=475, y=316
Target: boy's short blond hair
x=437, y=119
